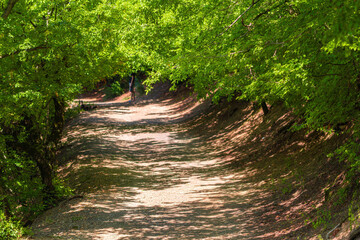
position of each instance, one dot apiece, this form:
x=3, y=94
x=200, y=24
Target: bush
x=10, y=229
x=349, y=154
x=72, y=112
x=140, y=89
x=114, y=90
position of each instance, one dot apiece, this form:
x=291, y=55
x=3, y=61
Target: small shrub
x=71, y=113
x=62, y=190
x=140, y=89
x=10, y=229
x=114, y=90
x=321, y=219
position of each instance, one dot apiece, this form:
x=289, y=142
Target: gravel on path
x=144, y=176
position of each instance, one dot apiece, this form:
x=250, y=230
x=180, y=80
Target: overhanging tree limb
x=238, y=18
x=27, y=50
x=8, y=8
x=268, y=10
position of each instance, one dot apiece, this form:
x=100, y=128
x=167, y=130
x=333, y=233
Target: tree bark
x=264, y=108
x=46, y=173
x=47, y=159
x=9, y=7
x=40, y=153
x=58, y=120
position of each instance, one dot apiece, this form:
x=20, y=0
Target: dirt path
x=144, y=176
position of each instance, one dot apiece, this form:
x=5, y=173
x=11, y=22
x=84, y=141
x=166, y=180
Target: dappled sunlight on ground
x=127, y=113
x=153, y=181
x=146, y=175
x=193, y=189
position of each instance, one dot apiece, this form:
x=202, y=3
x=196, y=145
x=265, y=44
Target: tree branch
x=268, y=10
x=327, y=75
x=8, y=8
x=27, y=50
x=244, y=51
x=237, y=19
x=34, y=25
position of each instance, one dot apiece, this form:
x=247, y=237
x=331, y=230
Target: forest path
x=145, y=176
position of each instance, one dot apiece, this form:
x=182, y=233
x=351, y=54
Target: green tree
x=304, y=53
x=49, y=51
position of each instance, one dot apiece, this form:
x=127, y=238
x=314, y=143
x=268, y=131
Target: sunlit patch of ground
x=148, y=181
x=146, y=175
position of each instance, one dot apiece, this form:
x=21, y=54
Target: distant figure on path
x=132, y=86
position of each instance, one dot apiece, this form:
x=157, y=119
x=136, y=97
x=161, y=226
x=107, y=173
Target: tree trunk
x=47, y=159
x=38, y=151
x=46, y=173
x=58, y=120
x=264, y=108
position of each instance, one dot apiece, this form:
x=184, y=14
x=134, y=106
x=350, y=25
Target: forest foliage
x=304, y=53
x=49, y=51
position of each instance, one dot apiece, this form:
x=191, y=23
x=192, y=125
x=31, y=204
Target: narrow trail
x=144, y=176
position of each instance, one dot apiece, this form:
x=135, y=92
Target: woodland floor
x=174, y=168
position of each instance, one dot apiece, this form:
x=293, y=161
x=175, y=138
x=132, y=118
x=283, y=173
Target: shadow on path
x=146, y=180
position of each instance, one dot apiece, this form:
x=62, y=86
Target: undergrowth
x=114, y=90
x=11, y=229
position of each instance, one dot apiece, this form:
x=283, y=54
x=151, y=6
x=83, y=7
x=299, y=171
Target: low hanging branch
x=8, y=8
x=269, y=10
x=27, y=50
x=237, y=19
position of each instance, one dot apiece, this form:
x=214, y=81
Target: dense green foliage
x=49, y=51
x=10, y=229
x=116, y=89
x=115, y=86
x=304, y=53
